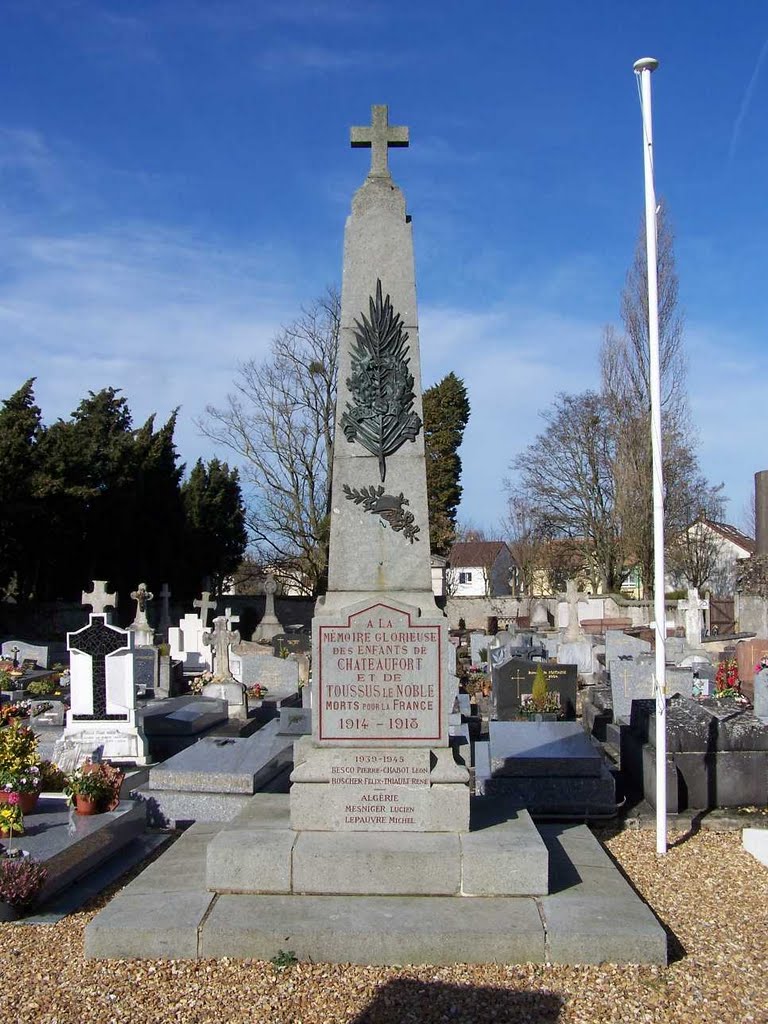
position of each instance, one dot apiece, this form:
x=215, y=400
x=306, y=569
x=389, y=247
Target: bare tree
x=625, y=376
x=526, y=540
x=280, y=421
x=566, y=477
x=694, y=554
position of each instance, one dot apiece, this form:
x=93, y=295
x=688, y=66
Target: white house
x=720, y=546
x=480, y=568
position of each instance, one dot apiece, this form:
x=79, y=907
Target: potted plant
x=11, y=818
x=94, y=787
x=541, y=706
x=21, y=879
x=19, y=765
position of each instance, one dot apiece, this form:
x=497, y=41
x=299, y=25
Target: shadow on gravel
x=406, y=999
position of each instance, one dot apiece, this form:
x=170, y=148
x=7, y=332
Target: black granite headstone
x=513, y=681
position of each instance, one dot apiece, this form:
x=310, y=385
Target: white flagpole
x=643, y=69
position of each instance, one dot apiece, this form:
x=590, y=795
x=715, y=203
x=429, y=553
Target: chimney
x=761, y=512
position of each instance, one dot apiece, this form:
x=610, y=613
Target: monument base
x=591, y=915
x=100, y=740
x=232, y=692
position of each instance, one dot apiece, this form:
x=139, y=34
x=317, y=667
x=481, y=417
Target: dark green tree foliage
x=216, y=537
x=20, y=429
x=446, y=414
x=93, y=498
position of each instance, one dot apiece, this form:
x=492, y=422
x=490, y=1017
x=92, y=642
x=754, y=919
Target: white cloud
x=165, y=317
x=513, y=360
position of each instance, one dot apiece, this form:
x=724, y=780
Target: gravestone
x=270, y=624
x=550, y=768
x=206, y=606
x=513, y=683
x=284, y=644
x=224, y=684
x=479, y=642
x=186, y=643
x=145, y=670
x=694, y=608
x=632, y=679
x=573, y=632
x=165, y=612
x=140, y=627
x=254, y=663
x=23, y=651
x=619, y=645
x=539, y=616
x=101, y=721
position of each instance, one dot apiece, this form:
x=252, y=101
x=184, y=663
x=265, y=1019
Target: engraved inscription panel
x=380, y=679
x=380, y=790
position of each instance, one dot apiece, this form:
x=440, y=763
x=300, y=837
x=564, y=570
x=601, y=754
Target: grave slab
x=542, y=748
x=70, y=845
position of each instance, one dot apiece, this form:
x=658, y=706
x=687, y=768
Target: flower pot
x=85, y=805
x=7, y=912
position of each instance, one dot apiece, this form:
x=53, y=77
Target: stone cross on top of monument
x=99, y=599
x=379, y=136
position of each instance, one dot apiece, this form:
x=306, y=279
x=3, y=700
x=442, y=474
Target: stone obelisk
x=379, y=538
x=379, y=758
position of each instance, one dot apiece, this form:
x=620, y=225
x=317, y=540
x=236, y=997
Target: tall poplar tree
x=446, y=414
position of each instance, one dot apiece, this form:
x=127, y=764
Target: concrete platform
x=591, y=915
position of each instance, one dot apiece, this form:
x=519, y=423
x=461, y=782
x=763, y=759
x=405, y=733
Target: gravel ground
x=709, y=893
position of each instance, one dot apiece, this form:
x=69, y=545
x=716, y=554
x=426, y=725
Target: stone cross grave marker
x=99, y=600
x=694, y=607
x=270, y=624
x=101, y=722
x=140, y=626
x=165, y=610
x=232, y=619
x=220, y=639
x=379, y=136
x=97, y=640
x=573, y=631
x=205, y=605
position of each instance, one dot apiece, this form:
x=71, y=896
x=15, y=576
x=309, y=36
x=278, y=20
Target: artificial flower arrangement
x=257, y=691
x=18, y=709
x=727, y=685
x=763, y=663
x=197, y=684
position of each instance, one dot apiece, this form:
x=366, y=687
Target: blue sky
x=175, y=176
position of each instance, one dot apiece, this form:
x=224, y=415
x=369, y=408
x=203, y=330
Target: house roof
x=728, y=532
x=476, y=552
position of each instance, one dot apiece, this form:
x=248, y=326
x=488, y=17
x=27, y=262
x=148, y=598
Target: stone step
x=591, y=915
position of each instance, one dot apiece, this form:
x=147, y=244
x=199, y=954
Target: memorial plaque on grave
x=380, y=678
x=513, y=683
x=290, y=643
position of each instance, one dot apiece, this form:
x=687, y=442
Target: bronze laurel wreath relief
x=381, y=386
x=389, y=507
x=380, y=416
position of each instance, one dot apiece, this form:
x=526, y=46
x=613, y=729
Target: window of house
x=465, y=577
